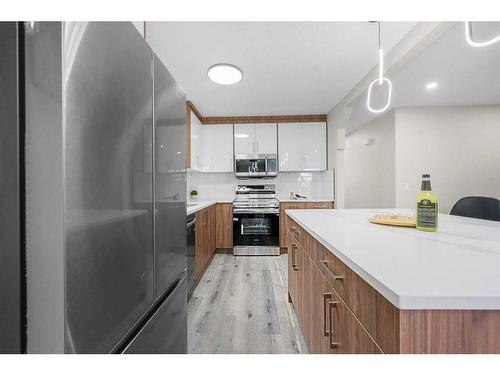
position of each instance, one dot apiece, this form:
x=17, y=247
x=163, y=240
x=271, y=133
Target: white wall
x=369, y=169
x=458, y=146
x=337, y=120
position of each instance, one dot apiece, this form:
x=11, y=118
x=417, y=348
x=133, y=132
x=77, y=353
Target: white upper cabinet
x=244, y=139
x=255, y=139
x=290, y=146
x=266, y=141
x=218, y=142
x=197, y=146
x=302, y=146
x=314, y=146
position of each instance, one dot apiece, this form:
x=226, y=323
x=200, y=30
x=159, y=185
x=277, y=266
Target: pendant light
x=474, y=43
x=380, y=80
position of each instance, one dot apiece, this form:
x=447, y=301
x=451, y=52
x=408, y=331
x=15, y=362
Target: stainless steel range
x=256, y=220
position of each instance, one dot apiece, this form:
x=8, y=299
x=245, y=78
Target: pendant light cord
x=379, y=43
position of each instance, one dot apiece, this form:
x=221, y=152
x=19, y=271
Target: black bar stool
x=478, y=208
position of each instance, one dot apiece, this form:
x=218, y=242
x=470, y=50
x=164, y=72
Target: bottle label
x=426, y=214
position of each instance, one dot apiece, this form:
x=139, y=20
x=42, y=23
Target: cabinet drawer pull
x=295, y=231
x=294, y=258
x=324, y=265
x=326, y=296
x=333, y=344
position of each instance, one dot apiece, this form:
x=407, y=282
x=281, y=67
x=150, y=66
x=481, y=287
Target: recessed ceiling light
x=224, y=74
x=431, y=85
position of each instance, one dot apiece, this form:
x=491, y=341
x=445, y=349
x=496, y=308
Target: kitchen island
x=359, y=287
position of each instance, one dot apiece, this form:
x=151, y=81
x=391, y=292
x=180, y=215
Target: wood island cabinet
x=327, y=322
x=339, y=312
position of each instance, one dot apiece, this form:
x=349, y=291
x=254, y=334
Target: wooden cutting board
x=395, y=220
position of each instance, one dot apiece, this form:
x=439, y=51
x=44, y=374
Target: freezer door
x=107, y=91
x=170, y=177
x=166, y=331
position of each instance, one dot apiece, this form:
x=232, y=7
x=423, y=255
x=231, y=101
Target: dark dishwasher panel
x=191, y=252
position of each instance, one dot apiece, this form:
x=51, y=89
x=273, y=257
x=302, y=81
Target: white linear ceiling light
x=475, y=43
x=380, y=80
x=225, y=74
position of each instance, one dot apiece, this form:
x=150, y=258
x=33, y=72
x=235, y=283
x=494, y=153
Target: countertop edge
x=204, y=204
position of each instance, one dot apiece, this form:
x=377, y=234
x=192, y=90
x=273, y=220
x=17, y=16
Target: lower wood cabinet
x=205, y=240
x=296, y=206
x=214, y=230
x=224, y=225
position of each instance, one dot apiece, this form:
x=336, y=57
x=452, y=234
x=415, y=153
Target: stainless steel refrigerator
x=105, y=194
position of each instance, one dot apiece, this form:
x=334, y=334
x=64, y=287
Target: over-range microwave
x=256, y=165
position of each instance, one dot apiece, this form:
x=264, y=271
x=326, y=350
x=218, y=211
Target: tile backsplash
x=210, y=186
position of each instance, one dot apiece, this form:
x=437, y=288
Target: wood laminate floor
x=241, y=306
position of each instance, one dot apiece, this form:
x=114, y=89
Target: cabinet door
x=314, y=146
x=244, y=139
x=196, y=143
x=307, y=273
x=212, y=231
x=299, y=303
x=357, y=339
x=292, y=273
x=224, y=225
x=199, y=242
x=283, y=225
x=290, y=147
x=218, y=144
x=266, y=139
x=337, y=325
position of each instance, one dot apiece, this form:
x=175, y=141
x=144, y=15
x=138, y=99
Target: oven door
x=256, y=233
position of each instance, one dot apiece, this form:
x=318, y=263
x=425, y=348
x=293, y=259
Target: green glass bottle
x=427, y=207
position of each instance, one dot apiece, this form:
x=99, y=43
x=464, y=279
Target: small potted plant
x=194, y=195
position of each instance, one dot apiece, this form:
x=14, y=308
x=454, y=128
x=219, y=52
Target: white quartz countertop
x=193, y=207
x=457, y=267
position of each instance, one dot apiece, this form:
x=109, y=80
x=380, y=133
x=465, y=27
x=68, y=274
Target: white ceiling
x=288, y=67
x=466, y=75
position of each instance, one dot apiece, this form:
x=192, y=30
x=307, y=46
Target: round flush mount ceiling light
x=431, y=85
x=225, y=74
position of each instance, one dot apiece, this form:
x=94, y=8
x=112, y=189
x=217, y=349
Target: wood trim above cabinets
x=191, y=106
x=218, y=120
x=261, y=119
